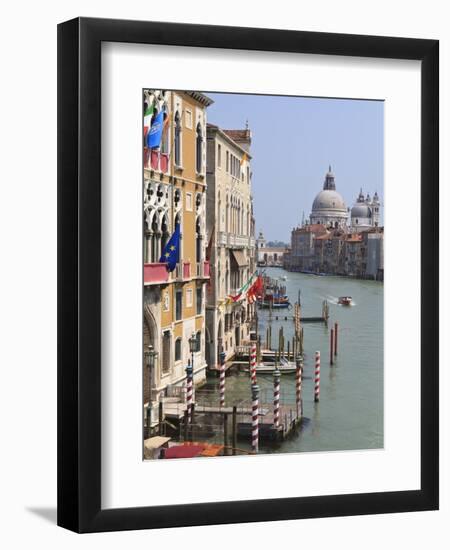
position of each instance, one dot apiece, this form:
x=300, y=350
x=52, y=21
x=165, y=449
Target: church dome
x=328, y=200
x=361, y=210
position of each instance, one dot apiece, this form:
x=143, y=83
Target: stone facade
x=231, y=232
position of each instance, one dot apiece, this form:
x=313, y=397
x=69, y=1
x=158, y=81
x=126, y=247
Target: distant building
x=374, y=243
x=365, y=212
x=329, y=245
x=268, y=255
x=301, y=257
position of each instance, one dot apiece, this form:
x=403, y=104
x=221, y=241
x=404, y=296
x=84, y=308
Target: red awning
x=183, y=451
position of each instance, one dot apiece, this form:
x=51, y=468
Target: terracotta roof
x=316, y=228
x=312, y=228
x=238, y=135
x=354, y=238
x=238, y=143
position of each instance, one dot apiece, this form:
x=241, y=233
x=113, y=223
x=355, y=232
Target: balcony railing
x=155, y=274
x=222, y=238
x=235, y=241
x=203, y=270
x=155, y=160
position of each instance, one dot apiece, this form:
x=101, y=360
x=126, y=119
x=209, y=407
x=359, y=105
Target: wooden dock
x=289, y=422
x=177, y=410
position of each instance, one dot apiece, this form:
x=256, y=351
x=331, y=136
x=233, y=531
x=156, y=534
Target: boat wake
x=335, y=301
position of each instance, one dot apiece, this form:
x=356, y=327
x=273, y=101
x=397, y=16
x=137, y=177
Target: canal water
x=349, y=414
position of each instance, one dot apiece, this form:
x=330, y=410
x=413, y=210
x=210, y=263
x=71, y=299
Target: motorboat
x=345, y=300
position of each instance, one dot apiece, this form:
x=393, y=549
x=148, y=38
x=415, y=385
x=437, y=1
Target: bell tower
x=376, y=210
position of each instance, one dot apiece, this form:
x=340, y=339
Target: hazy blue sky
x=293, y=142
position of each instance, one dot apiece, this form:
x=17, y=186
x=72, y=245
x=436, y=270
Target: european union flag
x=154, y=135
x=171, y=253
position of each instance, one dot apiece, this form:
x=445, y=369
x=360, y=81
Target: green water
x=350, y=412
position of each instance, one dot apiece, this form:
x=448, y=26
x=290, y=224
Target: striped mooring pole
x=298, y=384
x=253, y=363
x=317, y=377
x=255, y=418
x=222, y=379
x=189, y=389
x=276, y=397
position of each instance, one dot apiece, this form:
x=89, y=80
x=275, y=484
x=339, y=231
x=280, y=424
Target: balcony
x=155, y=274
x=234, y=241
x=222, y=238
x=155, y=160
x=186, y=270
x=203, y=270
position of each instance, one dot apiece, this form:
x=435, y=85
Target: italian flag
x=148, y=118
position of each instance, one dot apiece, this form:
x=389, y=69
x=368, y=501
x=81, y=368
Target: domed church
x=329, y=207
x=365, y=212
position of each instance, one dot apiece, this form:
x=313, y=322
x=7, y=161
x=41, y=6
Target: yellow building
x=231, y=229
x=174, y=193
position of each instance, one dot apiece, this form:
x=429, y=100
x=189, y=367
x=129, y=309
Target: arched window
x=177, y=140
x=227, y=279
x=164, y=233
x=154, y=239
x=227, y=213
x=178, y=349
x=165, y=135
x=199, y=147
x=147, y=243
x=198, y=341
x=178, y=221
x=198, y=242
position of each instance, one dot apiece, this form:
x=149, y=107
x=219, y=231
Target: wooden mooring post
x=160, y=418
x=335, y=338
x=234, y=430
x=331, y=345
x=185, y=427
x=225, y=433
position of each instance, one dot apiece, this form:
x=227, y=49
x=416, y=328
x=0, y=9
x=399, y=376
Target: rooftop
x=201, y=98
x=228, y=135
x=312, y=228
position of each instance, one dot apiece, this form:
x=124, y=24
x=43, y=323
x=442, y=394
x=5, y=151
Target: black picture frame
x=79, y=274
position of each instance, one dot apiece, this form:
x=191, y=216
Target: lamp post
x=192, y=348
x=150, y=356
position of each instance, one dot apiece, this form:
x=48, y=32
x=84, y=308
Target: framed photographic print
x=248, y=275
